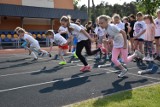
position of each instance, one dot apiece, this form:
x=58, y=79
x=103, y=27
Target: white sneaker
x=150, y=59
x=97, y=57
x=122, y=74
x=145, y=59
x=107, y=57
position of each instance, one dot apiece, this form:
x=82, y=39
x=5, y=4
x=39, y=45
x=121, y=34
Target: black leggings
x=148, y=45
x=87, y=45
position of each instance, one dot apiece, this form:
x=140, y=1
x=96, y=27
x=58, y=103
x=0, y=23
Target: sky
x=112, y=2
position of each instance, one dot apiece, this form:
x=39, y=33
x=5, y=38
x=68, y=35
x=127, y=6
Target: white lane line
x=149, y=77
x=79, y=65
x=65, y=79
x=144, y=76
x=22, y=73
x=44, y=83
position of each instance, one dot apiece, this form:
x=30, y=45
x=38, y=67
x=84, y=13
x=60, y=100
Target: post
x=88, y=9
x=22, y=21
x=51, y=21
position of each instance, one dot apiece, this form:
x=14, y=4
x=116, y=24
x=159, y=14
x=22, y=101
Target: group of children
x=112, y=36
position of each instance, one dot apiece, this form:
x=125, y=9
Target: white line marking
x=111, y=71
x=65, y=79
x=21, y=73
x=38, y=84
x=144, y=76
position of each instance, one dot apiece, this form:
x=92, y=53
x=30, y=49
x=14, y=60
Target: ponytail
x=68, y=20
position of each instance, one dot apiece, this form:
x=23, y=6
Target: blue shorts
x=24, y=45
x=75, y=41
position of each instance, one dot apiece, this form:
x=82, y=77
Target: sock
x=45, y=52
x=74, y=49
x=34, y=55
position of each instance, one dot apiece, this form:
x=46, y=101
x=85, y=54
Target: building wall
x=15, y=2
x=63, y=4
x=9, y=23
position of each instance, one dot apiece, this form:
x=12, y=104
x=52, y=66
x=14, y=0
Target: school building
x=35, y=16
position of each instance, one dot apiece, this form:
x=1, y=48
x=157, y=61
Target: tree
x=148, y=6
x=75, y=3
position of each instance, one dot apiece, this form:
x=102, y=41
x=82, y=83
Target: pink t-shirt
x=149, y=35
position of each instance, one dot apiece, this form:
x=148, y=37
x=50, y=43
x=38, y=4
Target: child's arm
x=153, y=30
x=69, y=40
x=27, y=42
x=86, y=34
x=137, y=36
x=125, y=38
x=51, y=47
x=129, y=28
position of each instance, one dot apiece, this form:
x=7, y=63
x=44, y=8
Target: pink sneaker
x=82, y=68
x=85, y=68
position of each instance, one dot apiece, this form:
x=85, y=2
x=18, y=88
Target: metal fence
x=18, y=43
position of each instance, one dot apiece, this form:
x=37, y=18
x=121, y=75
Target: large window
x=36, y=21
x=39, y=3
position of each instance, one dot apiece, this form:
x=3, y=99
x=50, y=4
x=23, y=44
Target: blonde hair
x=125, y=18
x=21, y=30
x=105, y=18
x=158, y=10
x=65, y=19
x=116, y=16
x=139, y=14
x=17, y=28
x=68, y=20
x=149, y=17
x=49, y=32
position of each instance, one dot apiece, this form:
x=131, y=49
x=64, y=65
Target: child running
x=62, y=44
x=24, y=45
x=100, y=36
x=157, y=35
x=84, y=40
x=149, y=38
x=119, y=43
x=34, y=45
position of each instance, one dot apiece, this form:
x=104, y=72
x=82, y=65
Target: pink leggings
x=124, y=54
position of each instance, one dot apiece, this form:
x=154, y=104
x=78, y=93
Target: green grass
x=142, y=97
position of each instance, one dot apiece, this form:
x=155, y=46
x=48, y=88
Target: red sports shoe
x=85, y=68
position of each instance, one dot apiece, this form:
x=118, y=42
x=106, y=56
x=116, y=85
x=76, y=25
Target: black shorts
x=131, y=35
x=140, y=40
x=158, y=37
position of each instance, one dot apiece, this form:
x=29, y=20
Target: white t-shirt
x=77, y=31
x=58, y=39
x=82, y=26
x=121, y=25
x=63, y=29
x=99, y=31
x=114, y=33
x=139, y=26
x=157, y=31
x=30, y=39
